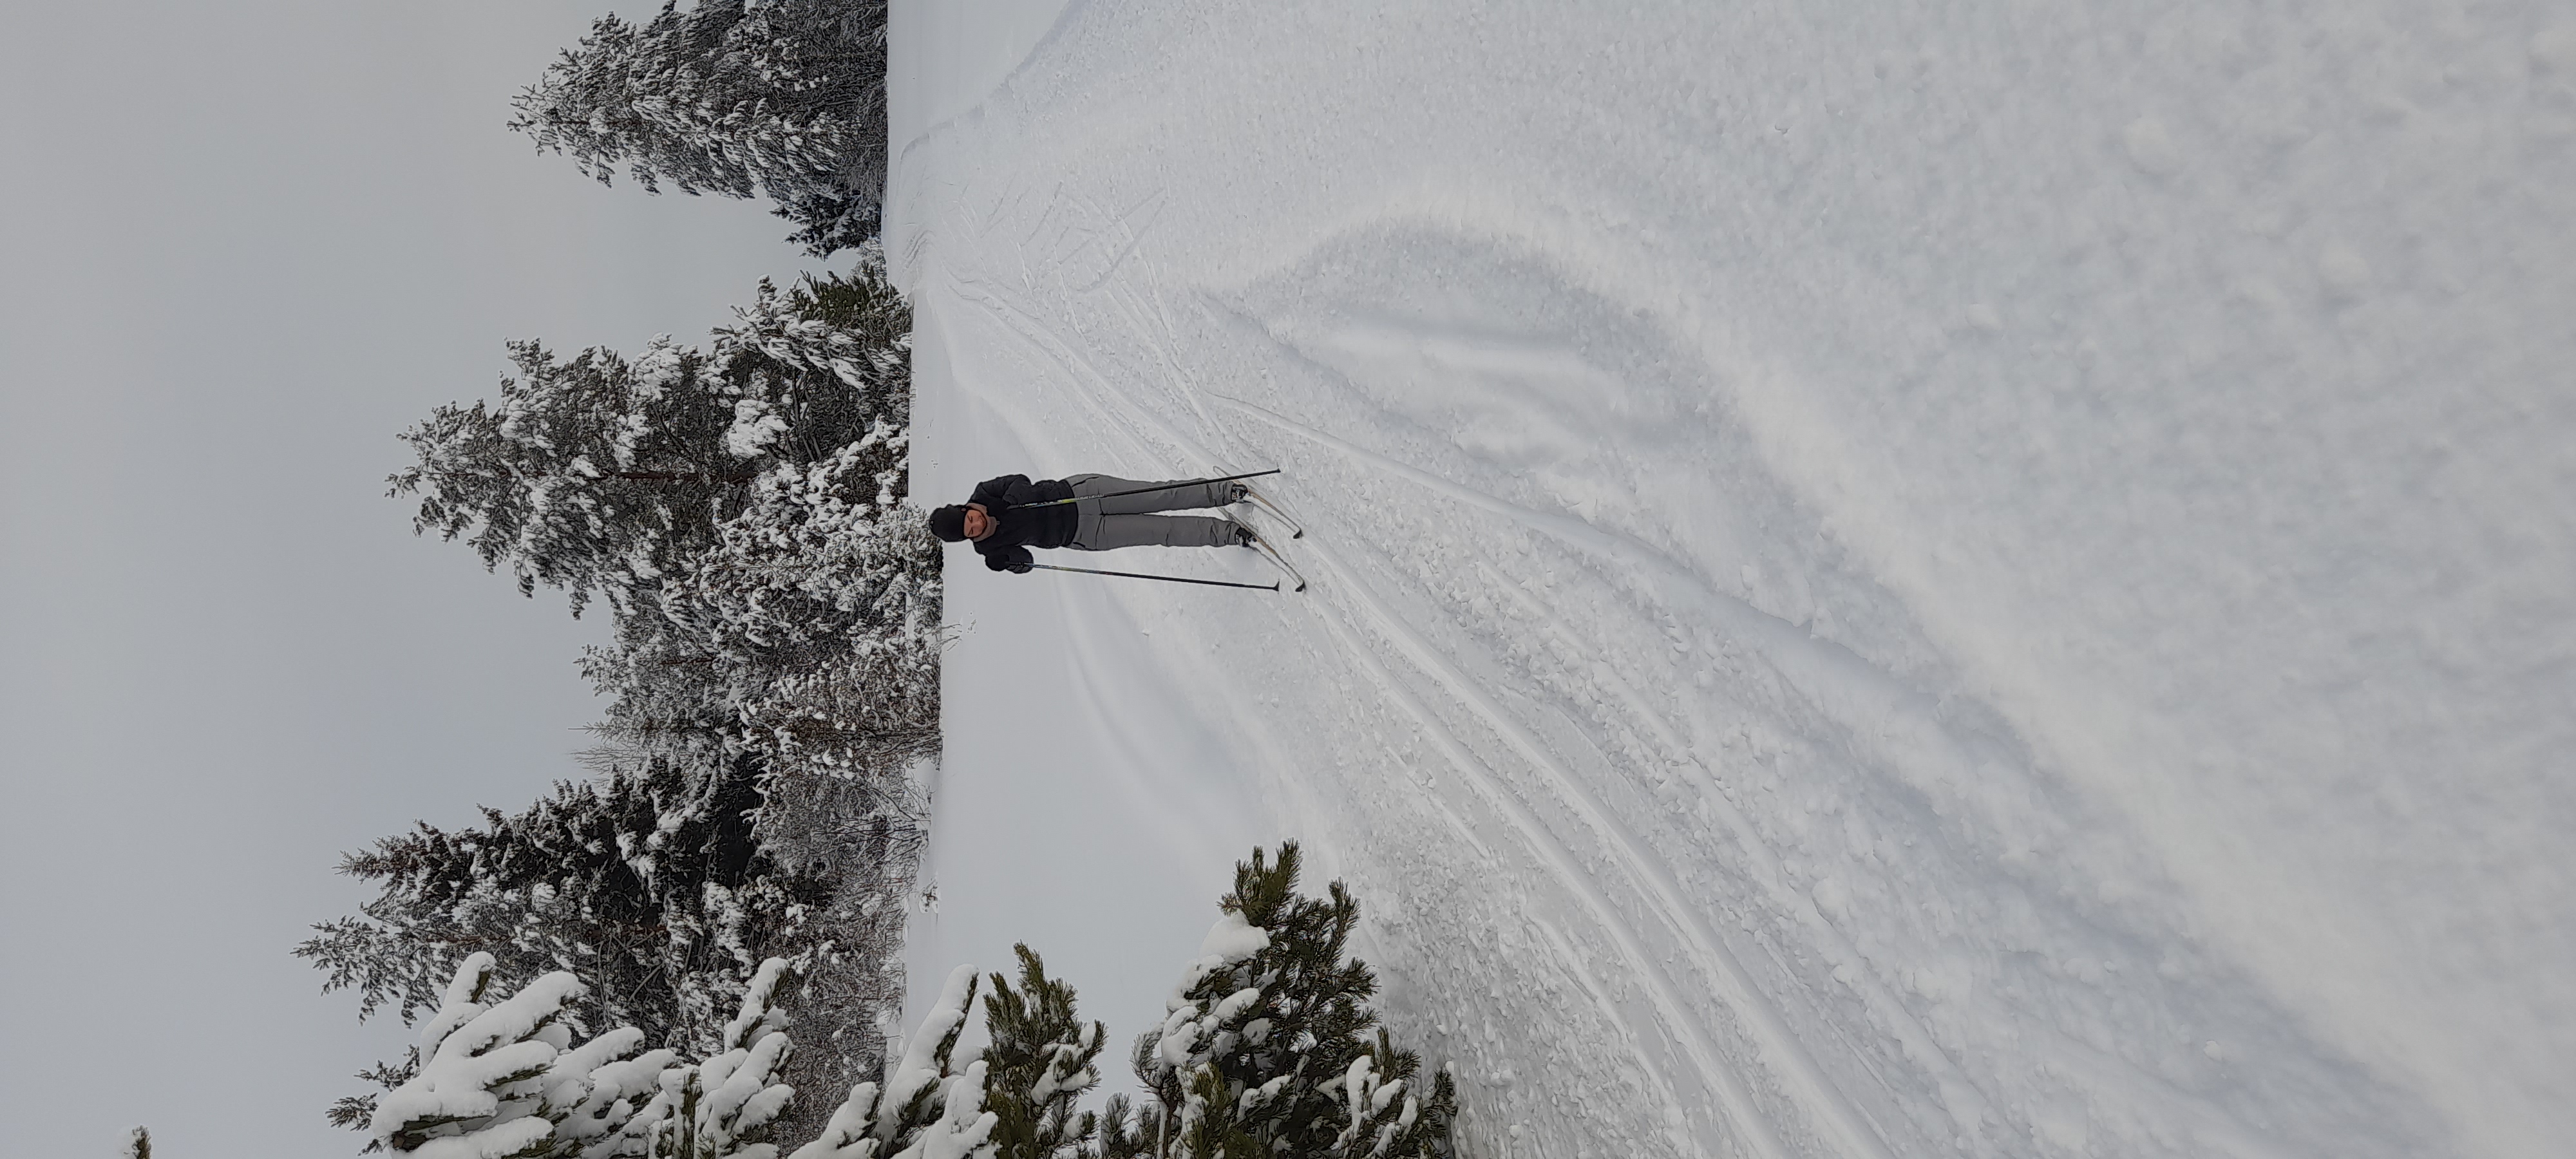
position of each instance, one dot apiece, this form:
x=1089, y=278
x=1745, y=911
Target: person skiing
x=1005, y=517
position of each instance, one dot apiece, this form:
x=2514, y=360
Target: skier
x=1006, y=517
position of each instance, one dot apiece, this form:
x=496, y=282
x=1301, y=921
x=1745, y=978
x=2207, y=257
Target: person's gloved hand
x=1020, y=568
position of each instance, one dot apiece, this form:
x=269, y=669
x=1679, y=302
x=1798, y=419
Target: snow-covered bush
x=502, y=1079
x=1014, y=1101
x=1265, y=1053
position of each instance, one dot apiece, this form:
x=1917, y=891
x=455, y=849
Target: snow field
x=1885, y=582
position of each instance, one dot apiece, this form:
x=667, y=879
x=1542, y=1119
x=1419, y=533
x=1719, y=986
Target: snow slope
x=1055, y=771
x=1887, y=580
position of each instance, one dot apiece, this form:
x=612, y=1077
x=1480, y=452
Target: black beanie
x=949, y=523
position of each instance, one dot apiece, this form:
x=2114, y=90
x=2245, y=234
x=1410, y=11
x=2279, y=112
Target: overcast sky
x=241, y=247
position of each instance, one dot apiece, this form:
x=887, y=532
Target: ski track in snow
x=1810, y=650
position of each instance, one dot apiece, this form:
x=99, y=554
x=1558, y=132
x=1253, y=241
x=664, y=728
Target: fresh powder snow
x=1887, y=580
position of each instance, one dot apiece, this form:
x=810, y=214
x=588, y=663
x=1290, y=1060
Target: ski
x=1264, y=502
x=1297, y=582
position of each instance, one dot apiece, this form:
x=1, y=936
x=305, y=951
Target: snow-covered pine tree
x=601, y=475
x=1266, y=1054
x=808, y=622
x=777, y=98
x=502, y=1078
x=591, y=474
x=1038, y=1065
x=1264, y=1051
x=1016, y=1101
x=138, y=1144
x=863, y=305
x=646, y=884
x=830, y=357
x=818, y=610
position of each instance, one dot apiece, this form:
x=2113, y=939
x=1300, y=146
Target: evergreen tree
x=601, y=475
x=1265, y=1055
x=777, y=98
x=138, y=1144
x=829, y=358
x=1039, y=1064
x=815, y=619
x=646, y=884
x=589, y=475
x=1265, y=1050
x=808, y=617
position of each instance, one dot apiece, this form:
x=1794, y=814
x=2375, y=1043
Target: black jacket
x=1023, y=527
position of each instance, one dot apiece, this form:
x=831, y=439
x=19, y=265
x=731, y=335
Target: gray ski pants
x=1108, y=524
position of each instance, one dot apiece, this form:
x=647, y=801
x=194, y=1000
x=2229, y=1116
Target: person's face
x=978, y=524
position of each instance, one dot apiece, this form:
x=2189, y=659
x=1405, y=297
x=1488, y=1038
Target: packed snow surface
x=1887, y=579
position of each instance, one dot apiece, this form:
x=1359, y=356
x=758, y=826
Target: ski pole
x=1169, y=579
x=1157, y=487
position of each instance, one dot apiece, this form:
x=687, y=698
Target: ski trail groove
x=1742, y=1113
x=1890, y=1012
x=1029, y=330
x=1772, y=1038
x=1808, y=665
